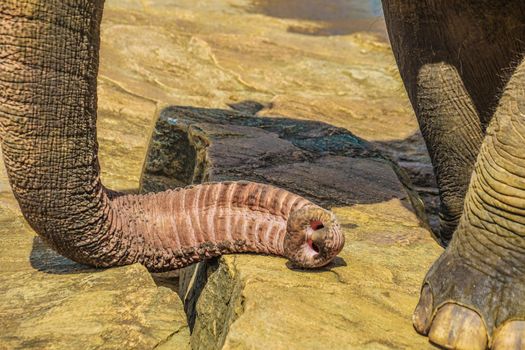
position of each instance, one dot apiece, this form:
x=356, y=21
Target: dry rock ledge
x=50, y=302
x=364, y=299
x=161, y=52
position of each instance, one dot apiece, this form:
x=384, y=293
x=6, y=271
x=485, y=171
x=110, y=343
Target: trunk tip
x=313, y=237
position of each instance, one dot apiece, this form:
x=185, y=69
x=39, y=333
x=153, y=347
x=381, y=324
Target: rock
x=326, y=164
x=363, y=300
x=162, y=52
x=50, y=302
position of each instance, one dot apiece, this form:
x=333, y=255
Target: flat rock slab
x=364, y=299
x=326, y=164
x=50, y=302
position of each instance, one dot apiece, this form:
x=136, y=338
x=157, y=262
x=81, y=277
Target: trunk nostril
x=316, y=225
x=314, y=246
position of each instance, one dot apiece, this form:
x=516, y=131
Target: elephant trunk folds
x=183, y=226
x=48, y=71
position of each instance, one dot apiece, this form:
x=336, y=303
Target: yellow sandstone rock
x=363, y=301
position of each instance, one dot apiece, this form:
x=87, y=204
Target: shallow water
x=334, y=17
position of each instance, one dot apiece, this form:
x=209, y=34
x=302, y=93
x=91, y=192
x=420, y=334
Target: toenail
x=422, y=317
x=510, y=336
x=457, y=327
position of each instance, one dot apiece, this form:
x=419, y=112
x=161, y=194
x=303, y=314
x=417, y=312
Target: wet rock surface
x=222, y=55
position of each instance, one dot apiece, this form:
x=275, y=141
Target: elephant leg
x=454, y=57
x=474, y=295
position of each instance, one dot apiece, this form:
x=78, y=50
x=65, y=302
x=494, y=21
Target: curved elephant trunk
x=48, y=102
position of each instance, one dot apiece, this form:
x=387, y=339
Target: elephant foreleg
x=474, y=295
x=464, y=68
x=455, y=58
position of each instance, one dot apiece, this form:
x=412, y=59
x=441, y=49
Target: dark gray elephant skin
x=463, y=68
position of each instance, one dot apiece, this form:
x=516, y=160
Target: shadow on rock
x=337, y=262
x=45, y=259
x=412, y=156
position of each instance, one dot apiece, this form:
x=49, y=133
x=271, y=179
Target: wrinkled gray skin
x=463, y=68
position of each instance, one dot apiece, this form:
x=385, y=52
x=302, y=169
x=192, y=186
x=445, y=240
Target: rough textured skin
x=484, y=265
x=455, y=58
x=48, y=121
x=463, y=68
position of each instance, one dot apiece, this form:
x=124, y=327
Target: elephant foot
x=467, y=304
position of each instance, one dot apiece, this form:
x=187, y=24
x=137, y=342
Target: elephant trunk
x=48, y=71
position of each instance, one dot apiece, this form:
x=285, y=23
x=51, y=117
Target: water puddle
x=333, y=17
